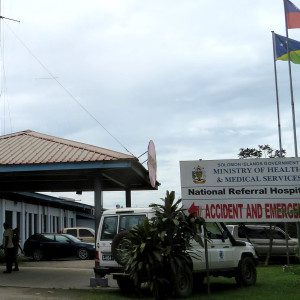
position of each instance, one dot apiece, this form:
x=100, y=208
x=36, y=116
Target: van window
x=109, y=228
x=252, y=233
x=85, y=233
x=129, y=221
x=276, y=234
x=72, y=232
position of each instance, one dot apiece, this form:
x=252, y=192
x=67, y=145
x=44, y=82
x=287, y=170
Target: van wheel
x=82, y=254
x=246, y=272
x=119, y=244
x=183, y=282
x=38, y=255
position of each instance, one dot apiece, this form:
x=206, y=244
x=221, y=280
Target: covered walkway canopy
x=36, y=162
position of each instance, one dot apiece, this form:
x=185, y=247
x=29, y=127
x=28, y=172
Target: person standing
x=8, y=247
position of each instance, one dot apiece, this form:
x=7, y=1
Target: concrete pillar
x=2, y=217
x=128, y=198
x=98, y=201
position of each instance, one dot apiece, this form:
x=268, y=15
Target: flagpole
x=277, y=97
x=279, y=126
x=291, y=82
x=292, y=103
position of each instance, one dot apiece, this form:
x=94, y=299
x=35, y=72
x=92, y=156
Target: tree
x=156, y=250
x=264, y=151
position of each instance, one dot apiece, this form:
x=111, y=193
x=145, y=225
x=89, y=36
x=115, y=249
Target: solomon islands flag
x=292, y=15
x=281, y=49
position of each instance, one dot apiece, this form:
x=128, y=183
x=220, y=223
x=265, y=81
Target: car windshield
x=73, y=238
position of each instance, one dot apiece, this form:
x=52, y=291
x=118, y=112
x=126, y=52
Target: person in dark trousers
x=16, y=242
x=8, y=247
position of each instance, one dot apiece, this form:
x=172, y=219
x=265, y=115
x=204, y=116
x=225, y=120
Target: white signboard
x=242, y=190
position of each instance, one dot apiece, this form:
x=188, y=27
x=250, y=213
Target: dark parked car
x=53, y=245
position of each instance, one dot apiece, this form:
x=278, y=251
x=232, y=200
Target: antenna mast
x=1, y=17
x=1, y=81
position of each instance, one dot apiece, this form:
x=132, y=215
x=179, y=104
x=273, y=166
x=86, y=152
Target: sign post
x=252, y=190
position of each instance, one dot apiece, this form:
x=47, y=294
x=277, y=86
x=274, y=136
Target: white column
x=22, y=225
x=48, y=220
x=68, y=219
x=32, y=224
x=27, y=225
x=39, y=230
x=14, y=220
x=60, y=219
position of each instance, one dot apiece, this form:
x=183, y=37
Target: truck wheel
x=183, y=282
x=118, y=245
x=246, y=272
x=38, y=255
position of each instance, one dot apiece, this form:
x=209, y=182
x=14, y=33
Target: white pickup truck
x=227, y=256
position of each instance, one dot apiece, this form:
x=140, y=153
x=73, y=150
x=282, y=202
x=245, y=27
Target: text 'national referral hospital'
x=244, y=191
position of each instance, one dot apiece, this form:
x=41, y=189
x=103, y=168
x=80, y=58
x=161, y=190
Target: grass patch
x=272, y=284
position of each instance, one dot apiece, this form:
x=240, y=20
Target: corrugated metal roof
x=30, y=147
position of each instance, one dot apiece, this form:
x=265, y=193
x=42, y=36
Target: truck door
x=219, y=248
x=197, y=252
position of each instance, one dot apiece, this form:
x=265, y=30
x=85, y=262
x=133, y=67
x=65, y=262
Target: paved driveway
x=49, y=275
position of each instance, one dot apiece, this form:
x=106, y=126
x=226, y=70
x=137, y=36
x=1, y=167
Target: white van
x=227, y=257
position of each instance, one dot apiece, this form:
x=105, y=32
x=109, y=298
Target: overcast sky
x=194, y=76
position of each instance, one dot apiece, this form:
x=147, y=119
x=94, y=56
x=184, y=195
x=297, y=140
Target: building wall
x=31, y=218
x=86, y=223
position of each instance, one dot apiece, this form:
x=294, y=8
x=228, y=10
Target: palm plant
x=156, y=250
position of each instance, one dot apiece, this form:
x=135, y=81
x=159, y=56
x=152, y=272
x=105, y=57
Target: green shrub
x=156, y=249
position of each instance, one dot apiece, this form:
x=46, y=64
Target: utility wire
x=65, y=89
